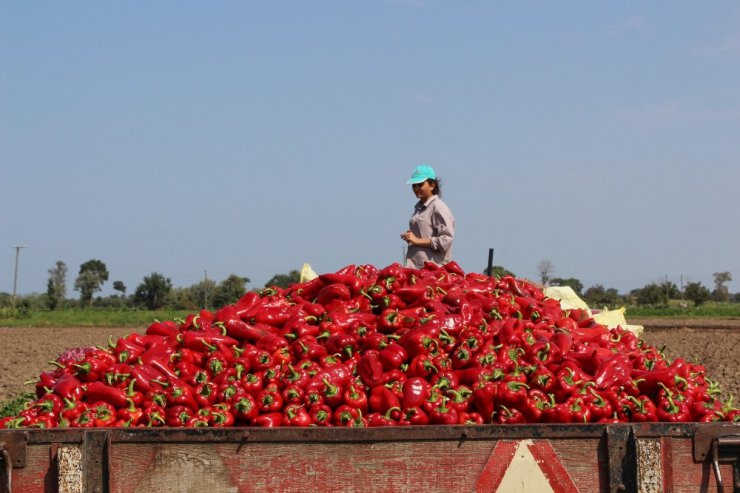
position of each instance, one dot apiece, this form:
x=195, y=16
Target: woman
x=432, y=226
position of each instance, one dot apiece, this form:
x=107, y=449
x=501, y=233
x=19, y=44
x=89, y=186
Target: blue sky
x=250, y=137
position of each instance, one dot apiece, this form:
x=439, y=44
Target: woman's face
x=423, y=190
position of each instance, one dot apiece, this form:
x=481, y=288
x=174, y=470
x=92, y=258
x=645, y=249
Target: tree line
x=156, y=291
x=652, y=294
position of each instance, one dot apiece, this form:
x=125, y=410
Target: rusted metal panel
x=14, y=443
x=39, y=473
x=620, y=453
x=413, y=433
x=604, y=458
x=94, y=461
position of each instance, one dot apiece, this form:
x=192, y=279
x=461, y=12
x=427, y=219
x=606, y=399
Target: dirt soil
x=25, y=352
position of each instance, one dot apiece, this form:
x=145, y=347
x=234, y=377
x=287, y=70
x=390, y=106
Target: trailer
x=644, y=457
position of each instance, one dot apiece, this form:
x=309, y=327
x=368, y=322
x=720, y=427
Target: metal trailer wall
x=629, y=457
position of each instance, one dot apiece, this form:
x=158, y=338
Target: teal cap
x=422, y=173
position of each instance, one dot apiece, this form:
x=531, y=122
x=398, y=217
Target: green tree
x=651, y=294
x=697, y=293
x=598, y=296
x=498, y=271
x=574, y=283
x=671, y=290
x=56, y=287
x=199, y=295
x=153, y=291
x=93, y=274
x=284, y=280
x=721, y=292
x=120, y=287
x=230, y=290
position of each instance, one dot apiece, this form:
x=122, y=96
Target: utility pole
x=15, y=276
x=667, y=296
x=489, y=268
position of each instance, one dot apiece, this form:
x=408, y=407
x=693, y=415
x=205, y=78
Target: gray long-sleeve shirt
x=431, y=219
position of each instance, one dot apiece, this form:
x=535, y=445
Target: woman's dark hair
x=436, y=183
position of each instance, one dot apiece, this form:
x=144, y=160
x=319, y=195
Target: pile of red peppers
x=365, y=347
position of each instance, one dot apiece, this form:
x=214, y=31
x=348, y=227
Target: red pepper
x=260, y=359
x=293, y=394
x=507, y=415
x=576, y=411
x=542, y=379
x=98, y=391
x=252, y=383
x=90, y=369
x=351, y=281
x=245, y=332
x=421, y=340
x=393, y=356
x=651, y=380
x=321, y=415
x=413, y=416
x=342, y=344
x=178, y=416
x=127, y=351
x=598, y=405
x=245, y=409
x=411, y=294
x=512, y=394
x=68, y=387
x=442, y=414
x=167, y=328
x=670, y=408
x=461, y=398
x=544, y=353
x=307, y=347
x=205, y=394
x=143, y=377
x=355, y=396
x=370, y=368
x=103, y=414
x=200, y=341
x=296, y=415
x=422, y=366
x=333, y=291
x=220, y=416
x=129, y=416
x=338, y=375
x=179, y=393
x=269, y=400
x=614, y=371
x=117, y=375
x=381, y=399
x=269, y=420
x=190, y=373
x=566, y=383
x=387, y=419
x=198, y=421
x=416, y=390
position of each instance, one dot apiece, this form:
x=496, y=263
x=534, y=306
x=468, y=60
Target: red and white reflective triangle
x=525, y=466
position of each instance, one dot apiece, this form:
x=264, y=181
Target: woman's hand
x=411, y=239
